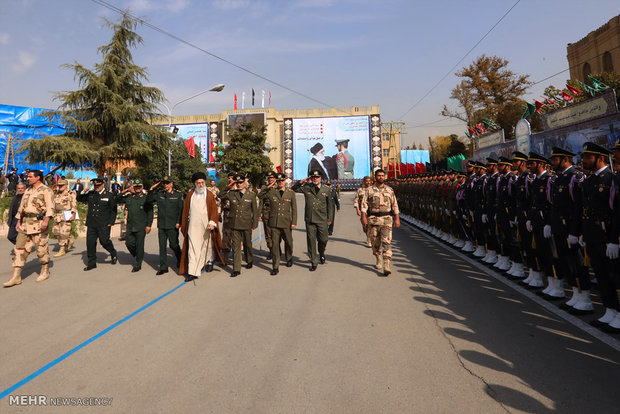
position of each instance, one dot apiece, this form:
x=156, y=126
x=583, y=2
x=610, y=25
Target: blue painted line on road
x=83, y=344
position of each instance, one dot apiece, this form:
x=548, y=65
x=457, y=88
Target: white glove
x=447, y=212
x=516, y=221
x=572, y=240
x=581, y=242
x=547, y=231
x=512, y=224
x=454, y=212
x=495, y=217
x=528, y=225
x=464, y=216
x=612, y=250
x=471, y=213
x=485, y=219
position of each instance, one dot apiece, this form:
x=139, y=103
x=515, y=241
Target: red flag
x=480, y=127
x=538, y=105
x=573, y=90
x=472, y=132
x=235, y=101
x=279, y=168
x=566, y=96
x=549, y=101
x=211, y=151
x=191, y=149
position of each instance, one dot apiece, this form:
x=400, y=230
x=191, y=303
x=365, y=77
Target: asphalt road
x=440, y=335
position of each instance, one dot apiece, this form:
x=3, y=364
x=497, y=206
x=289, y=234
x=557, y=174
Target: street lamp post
x=216, y=88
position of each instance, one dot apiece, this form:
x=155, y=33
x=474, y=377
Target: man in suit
x=99, y=220
x=243, y=219
x=282, y=220
x=319, y=213
x=78, y=187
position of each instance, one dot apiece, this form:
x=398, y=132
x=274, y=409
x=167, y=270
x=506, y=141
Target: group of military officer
x=545, y=214
x=240, y=213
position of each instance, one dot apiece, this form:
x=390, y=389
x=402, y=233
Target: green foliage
x=5, y=203
x=246, y=153
x=107, y=119
x=456, y=147
x=182, y=167
x=610, y=79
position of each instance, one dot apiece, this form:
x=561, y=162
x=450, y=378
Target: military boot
x=16, y=279
x=61, y=252
x=45, y=274
x=386, y=267
x=70, y=245
x=379, y=262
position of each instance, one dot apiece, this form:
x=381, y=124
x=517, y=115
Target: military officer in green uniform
x=265, y=210
x=242, y=220
x=99, y=220
x=333, y=196
x=139, y=220
x=169, y=211
x=282, y=220
x=319, y=213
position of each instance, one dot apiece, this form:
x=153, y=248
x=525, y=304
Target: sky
x=336, y=53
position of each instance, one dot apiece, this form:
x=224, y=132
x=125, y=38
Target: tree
x=182, y=167
x=455, y=147
x=486, y=92
x=107, y=119
x=246, y=152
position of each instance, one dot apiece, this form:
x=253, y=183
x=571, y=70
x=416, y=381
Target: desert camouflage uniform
x=63, y=201
x=380, y=204
x=35, y=205
x=357, y=203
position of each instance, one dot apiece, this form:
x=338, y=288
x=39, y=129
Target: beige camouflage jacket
x=65, y=201
x=35, y=203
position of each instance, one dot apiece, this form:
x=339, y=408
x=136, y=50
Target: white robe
x=199, y=235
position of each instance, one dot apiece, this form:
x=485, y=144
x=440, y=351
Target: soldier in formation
x=65, y=210
x=542, y=220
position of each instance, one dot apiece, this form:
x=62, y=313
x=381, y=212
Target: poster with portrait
x=339, y=147
x=200, y=133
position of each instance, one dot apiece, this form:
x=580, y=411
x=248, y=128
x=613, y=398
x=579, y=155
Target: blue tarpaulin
x=24, y=123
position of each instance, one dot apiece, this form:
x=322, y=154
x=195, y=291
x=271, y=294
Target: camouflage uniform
x=357, y=203
x=64, y=201
x=36, y=204
x=379, y=203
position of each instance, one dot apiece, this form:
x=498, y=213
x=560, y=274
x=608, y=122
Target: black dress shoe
x=610, y=329
x=91, y=267
x=249, y=265
x=312, y=268
x=289, y=263
x=564, y=306
x=235, y=274
x=113, y=259
x=189, y=278
x=322, y=259
x=209, y=267
x=269, y=256
x=160, y=272
x=598, y=324
x=274, y=272
x=574, y=311
x=135, y=269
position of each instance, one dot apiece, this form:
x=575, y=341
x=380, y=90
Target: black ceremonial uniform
x=503, y=217
x=520, y=197
x=99, y=220
x=538, y=214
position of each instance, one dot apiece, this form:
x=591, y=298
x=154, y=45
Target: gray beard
x=200, y=190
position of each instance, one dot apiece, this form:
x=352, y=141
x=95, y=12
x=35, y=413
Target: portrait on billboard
x=338, y=147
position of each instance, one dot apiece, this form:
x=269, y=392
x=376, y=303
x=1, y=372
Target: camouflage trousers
x=62, y=231
x=24, y=245
x=380, y=234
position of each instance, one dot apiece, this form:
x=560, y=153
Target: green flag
x=598, y=85
x=530, y=109
x=587, y=88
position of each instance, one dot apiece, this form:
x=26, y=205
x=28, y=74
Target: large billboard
x=234, y=121
x=200, y=133
x=339, y=147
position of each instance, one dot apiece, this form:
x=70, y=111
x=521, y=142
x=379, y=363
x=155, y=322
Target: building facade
x=598, y=52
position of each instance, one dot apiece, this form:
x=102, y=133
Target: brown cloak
x=216, y=241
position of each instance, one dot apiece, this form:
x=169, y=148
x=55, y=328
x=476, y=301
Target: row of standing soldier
x=532, y=213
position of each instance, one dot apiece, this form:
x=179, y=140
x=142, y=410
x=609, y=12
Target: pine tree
x=107, y=119
x=246, y=153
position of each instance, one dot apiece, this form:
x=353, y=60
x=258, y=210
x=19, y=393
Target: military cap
x=198, y=176
x=461, y=174
x=231, y=174
x=165, y=179
x=561, y=152
x=316, y=148
x=538, y=158
x=504, y=161
x=491, y=161
x=342, y=141
x=239, y=178
x=62, y=182
x=519, y=156
x=592, y=148
x=97, y=180
x=478, y=164
x=314, y=173
x=270, y=174
x=280, y=177
x=138, y=183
